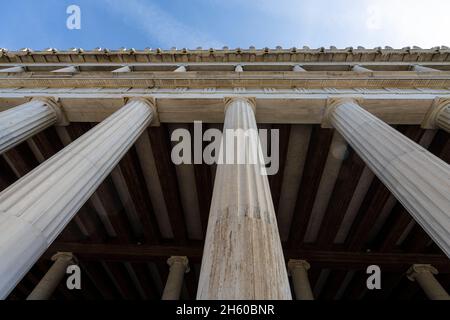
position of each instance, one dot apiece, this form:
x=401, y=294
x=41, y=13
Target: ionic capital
x=179, y=260
x=61, y=119
x=437, y=107
x=417, y=269
x=151, y=103
x=294, y=264
x=333, y=103
x=250, y=100
x=65, y=256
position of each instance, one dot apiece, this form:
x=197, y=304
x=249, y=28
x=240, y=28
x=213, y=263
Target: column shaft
x=51, y=280
x=243, y=257
x=20, y=123
x=299, y=273
x=443, y=118
x=424, y=275
x=418, y=179
x=35, y=209
x=178, y=267
x=432, y=287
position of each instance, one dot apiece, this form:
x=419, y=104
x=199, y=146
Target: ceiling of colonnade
x=361, y=222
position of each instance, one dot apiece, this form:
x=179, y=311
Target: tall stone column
x=35, y=209
x=299, y=272
x=424, y=275
x=22, y=122
x=417, y=178
x=443, y=118
x=438, y=116
x=243, y=257
x=51, y=280
x=178, y=267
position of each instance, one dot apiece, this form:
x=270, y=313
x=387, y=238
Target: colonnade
x=243, y=257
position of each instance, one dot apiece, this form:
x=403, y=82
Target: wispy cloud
x=160, y=25
x=414, y=22
x=369, y=23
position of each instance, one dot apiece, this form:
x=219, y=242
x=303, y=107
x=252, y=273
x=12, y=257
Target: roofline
x=278, y=54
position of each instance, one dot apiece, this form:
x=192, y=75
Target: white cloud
x=160, y=25
x=369, y=23
x=413, y=22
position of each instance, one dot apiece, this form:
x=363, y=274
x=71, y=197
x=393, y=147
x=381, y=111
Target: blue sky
x=40, y=24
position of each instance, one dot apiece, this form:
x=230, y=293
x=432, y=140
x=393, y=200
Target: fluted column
x=299, y=272
x=417, y=178
x=242, y=258
x=54, y=275
x=178, y=267
x=443, y=118
x=424, y=275
x=438, y=116
x=22, y=122
x=35, y=209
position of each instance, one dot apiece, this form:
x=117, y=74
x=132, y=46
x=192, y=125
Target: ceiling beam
x=331, y=259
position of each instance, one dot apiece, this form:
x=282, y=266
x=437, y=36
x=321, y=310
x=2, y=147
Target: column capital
x=249, y=100
x=61, y=119
x=416, y=269
x=437, y=107
x=151, y=103
x=184, y=261
x=293, y=264
x=333, y=103
x=65, y=256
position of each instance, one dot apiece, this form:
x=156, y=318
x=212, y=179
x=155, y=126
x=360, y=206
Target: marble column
x=443, y=118
x=438, y=117
x=35, y=209
x=417, y=178
x=22, y=122
x=424, y=275
x=243, y=257
x=178, y=267
x=298, y=270
x=53, y=277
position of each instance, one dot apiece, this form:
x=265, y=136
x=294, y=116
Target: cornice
x=279, y=54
